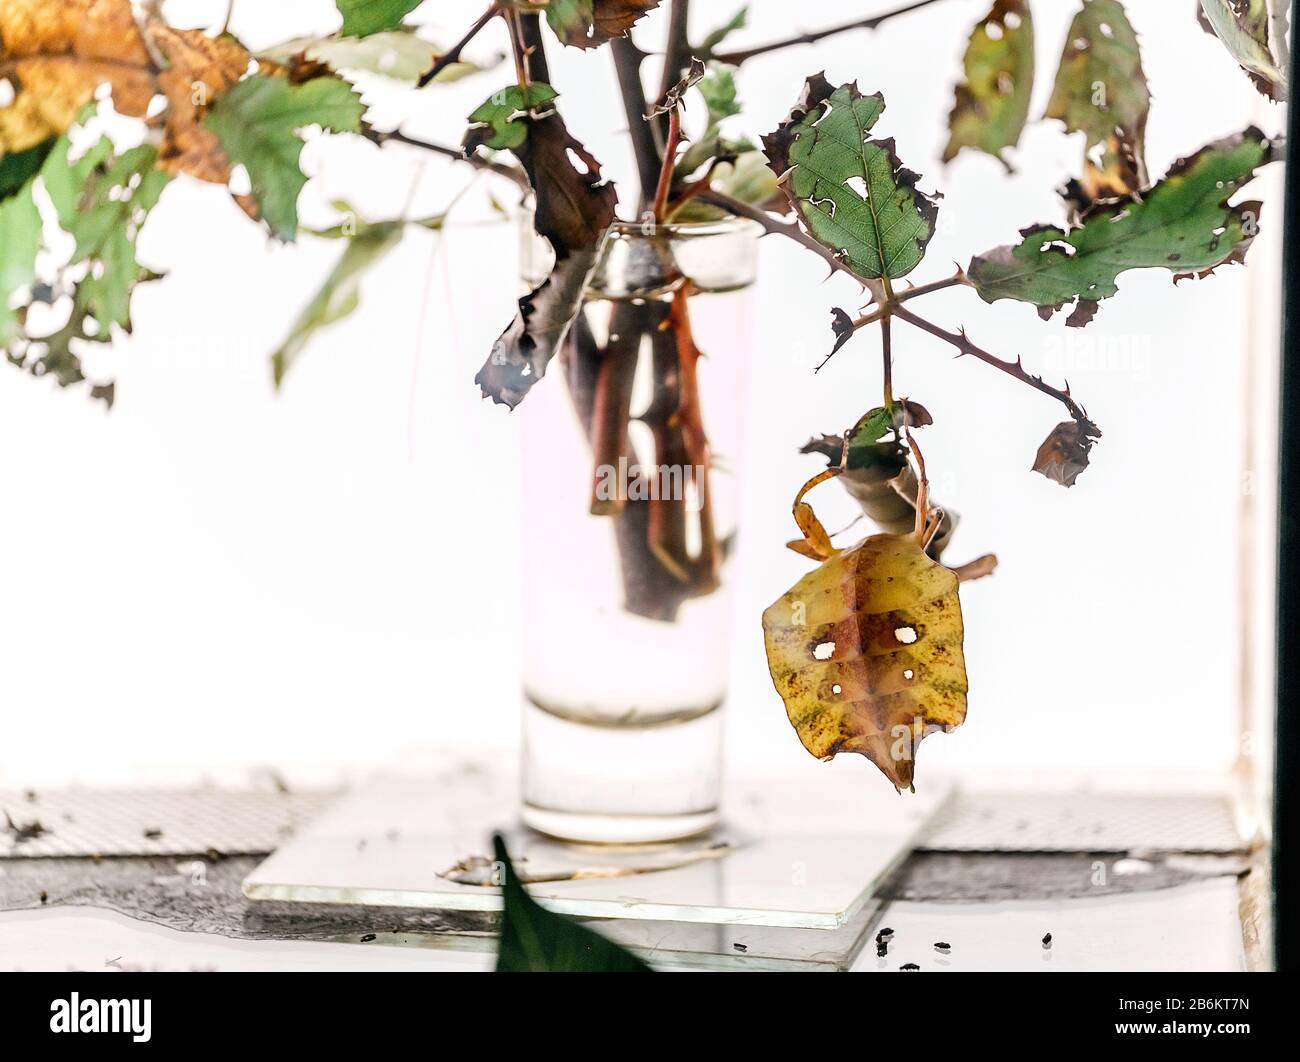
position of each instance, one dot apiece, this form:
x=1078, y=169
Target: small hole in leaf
x=823, y=651
x=1012, y=20
x=906, y=635
x=837, y=689
x=909, y=674
x=993, y=31
x=1106, y=31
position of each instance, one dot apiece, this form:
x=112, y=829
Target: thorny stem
x=452, y=54
x=689, y=419
x=887, y=353
x=737, y=57
x=666, y=170
x=953, y=281
x=1011, y=368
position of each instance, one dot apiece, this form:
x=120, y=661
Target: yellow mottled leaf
x=866, y=652
x=56, y=54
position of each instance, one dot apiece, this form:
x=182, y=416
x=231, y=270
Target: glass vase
x=630, y=499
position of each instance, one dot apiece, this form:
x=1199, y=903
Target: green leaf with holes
x=535, y=940
x=1184, y=224
x=258, y=123
x=496, y=124
x=992, y=103
x=363, y=17
x=1102, y=92
x=851, y=192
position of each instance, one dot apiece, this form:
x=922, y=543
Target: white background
x=212, y=576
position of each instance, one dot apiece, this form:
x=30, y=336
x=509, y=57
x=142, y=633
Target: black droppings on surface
x=740, y=947
x=153, y=833
x=1047, y=940
x=909, y=966
x=45, y=897
x=942, y=945
x=884, y=935
x=367, y=938
x=882, y=949
x=30, y=795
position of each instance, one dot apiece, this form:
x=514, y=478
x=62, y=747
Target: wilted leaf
x=1243, y=26
x=364, y=17
x=992, y=104
x=1183, y=224
x=339, y=296
x=574, y=207
x=258, y=122
x=866, y=653
x=1101, y=91
x=851, y=192
x=590, y=23
x=400, y=54
x=58, y=55
x=1064, y=453
x=535, y=940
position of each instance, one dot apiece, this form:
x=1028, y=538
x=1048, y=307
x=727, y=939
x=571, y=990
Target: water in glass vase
x=630, y=500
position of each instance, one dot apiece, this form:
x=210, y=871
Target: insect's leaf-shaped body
x=866, y=652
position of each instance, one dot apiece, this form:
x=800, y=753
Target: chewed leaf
x=866, y=652
x=1102, y=92
x=574, y=207
x=992, y=104
x=1244, y=28
x=851, y=192
x=591, y=23
x=497, y=123
x=1184, y=224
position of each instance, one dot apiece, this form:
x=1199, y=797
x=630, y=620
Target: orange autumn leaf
x=56, y=55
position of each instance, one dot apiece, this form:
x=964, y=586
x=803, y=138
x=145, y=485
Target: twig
x=627, y=65
x=488, y=165
x=1011, y=368
x=452, y=54
x=953, y=281
x=737, y=57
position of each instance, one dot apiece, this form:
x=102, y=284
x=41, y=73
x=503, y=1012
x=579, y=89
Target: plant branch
x=479, y=163
x=452, y=54
x=1012, y=368
x=887, y=353
x=538, y=68
x=737, y=57
x=789, y=229
x=627, y=65
x=883, y=312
